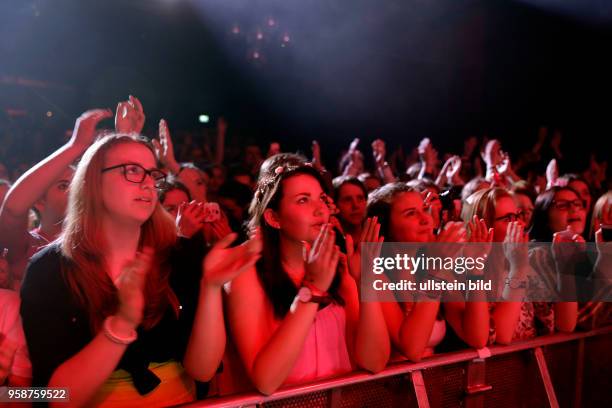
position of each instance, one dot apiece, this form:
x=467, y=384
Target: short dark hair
x=339, y=181
x=173, y=184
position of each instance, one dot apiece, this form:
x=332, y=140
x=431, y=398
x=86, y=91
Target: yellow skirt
x=176, y=387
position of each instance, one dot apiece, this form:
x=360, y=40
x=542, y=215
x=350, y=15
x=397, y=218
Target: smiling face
x=409, y=221
x=567, y=210
x=301, y=210
x=125, y=201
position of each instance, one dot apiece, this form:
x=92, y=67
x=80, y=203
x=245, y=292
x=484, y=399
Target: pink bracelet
x=113, y=337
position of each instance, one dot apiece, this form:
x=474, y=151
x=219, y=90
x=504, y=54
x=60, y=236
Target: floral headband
x=268, y=181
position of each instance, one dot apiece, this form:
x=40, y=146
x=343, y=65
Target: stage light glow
x=204, y=118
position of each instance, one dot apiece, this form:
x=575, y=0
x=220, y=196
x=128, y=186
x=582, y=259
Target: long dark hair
x=540, y=231
x=278, y=286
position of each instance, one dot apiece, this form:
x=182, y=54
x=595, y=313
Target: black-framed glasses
x=564, y=205
x=135, y=173
x=510, y=217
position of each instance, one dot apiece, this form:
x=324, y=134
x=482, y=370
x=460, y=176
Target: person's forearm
x=276, y=359
x=416, y=329
x=32, y=185
x=85, y=372
x=207, y=340
x=372, y=345
x=566, y=315
x=475, y=320
x=505, y=317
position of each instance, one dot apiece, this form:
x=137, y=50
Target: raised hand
x=450, y=172
x=164, y=148
x=492, y=154
x=222, y=263
x=369, y=235
x=379, y=151
x=569, y=253
x=515, y=244
x=216, y=230
x=129, y=117
x=355, y=160
x=428, y=156
x=454, y=166
x=316, y=156
x=131, y=285
x=190, y=218
x=84, y=132
x=353, y=145
x=480, y=237
x=321, y=259
x=504, y=165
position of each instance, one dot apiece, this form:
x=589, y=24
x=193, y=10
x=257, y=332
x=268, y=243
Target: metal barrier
x=567, y=370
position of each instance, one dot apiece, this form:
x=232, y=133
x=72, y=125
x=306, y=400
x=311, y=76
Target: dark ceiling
x=327, y=69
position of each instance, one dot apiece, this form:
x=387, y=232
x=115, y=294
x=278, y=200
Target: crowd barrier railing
x=558, y=370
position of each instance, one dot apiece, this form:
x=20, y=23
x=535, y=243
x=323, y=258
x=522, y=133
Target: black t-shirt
x=56, y=328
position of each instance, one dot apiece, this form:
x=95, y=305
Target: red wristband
x=315, y=291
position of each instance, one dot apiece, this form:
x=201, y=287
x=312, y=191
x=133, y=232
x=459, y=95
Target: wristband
x=113, y=337
x=315, y=291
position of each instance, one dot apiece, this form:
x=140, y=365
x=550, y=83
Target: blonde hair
x=598, y=209
x=82, y=241
x=482, y=203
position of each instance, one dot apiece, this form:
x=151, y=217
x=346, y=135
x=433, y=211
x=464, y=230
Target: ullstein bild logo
x=431, y=285
x=493, y=272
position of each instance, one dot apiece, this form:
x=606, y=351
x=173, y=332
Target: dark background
x=400, y=70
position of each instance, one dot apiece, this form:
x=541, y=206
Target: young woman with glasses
x=116, y=310
x=513, y=319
